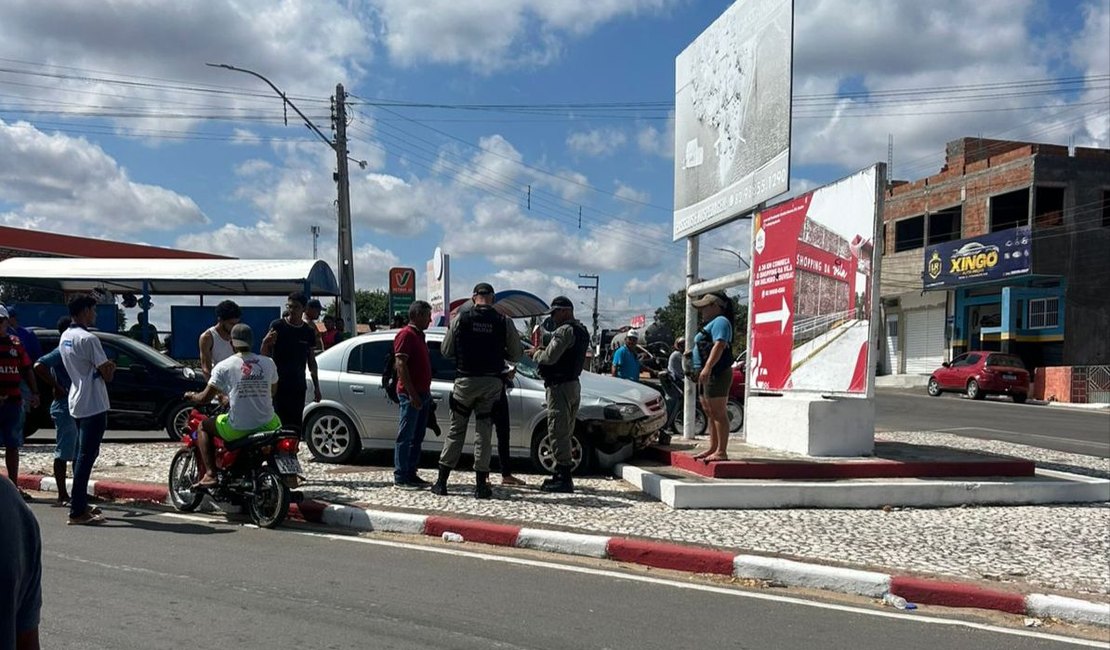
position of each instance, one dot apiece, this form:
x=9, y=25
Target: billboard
x=732, y=115
x=402, y=290
x=812, y=285
x=986, y=258
x=439, y=283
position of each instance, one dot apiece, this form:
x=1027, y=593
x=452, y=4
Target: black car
x=146, y=392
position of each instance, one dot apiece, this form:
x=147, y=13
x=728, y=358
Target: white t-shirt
x=246, y=379
x=221, y=347
x=82, y=354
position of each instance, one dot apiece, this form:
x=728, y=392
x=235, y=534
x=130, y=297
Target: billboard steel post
x=690, y=388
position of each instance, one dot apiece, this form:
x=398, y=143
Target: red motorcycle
x=257, y=472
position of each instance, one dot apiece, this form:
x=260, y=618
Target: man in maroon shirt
x=414, y=391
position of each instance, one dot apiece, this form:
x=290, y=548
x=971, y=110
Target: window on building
x=1044, y=313
x=1010, y=210
x=909, y=234
x=1048, y=207
x=1106, y=208
x=946, y=225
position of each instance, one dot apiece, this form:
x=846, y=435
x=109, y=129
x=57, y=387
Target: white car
x=616, y=417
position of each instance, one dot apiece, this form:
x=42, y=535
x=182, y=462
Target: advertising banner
x=732, y=115
x=402, y=290
x=439, y=284
x=638, y=321
x=986, y=258
x=811, y=289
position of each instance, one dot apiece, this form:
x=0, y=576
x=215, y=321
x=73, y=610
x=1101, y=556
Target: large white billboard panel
x=732, y=115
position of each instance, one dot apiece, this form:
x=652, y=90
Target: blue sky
x=111, y=125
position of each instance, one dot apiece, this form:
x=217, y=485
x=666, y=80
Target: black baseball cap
x=484, y=288
x=314, y=304
x=560, y=302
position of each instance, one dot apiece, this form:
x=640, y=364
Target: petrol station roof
x=512, y=303
x=174, y=276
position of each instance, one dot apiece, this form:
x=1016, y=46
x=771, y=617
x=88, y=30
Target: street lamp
x=342, y=179
x=738, y=256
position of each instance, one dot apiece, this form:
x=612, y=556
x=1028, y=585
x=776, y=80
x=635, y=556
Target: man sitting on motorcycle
x=249, y=381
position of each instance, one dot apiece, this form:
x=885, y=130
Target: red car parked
x=980, y=374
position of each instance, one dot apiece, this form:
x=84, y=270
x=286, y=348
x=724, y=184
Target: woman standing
x=713, y=364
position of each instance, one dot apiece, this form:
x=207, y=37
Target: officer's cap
x=561, y=302
x=483, y=288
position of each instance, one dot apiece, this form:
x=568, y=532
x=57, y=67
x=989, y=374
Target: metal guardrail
x=807, y=329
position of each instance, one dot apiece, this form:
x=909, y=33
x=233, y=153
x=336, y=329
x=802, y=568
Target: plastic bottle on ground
x=896, y=602
x=449, y=536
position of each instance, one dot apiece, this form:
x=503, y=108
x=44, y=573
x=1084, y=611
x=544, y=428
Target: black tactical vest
x=570, y=364
x=480, y=343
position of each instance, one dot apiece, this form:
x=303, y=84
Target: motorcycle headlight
x=622, y=412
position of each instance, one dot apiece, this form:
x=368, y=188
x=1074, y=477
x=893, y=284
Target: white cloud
x=303, y=47
x=651, y=141
x=596, y=142
x=631, y=194
x=245, y=137
x=489, y=35
x=70, y=185
x=1091, y=51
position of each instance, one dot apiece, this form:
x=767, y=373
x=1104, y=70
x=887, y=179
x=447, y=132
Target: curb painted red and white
x=663, y=555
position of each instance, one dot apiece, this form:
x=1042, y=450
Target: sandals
x=87, y=519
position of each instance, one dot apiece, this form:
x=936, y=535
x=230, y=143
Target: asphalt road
x=147, y=580
x=1063, y=429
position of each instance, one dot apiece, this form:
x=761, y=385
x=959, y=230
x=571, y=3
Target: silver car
x=616, y=416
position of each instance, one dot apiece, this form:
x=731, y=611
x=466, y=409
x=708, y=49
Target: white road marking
x=1087, y=443
x=554, y=566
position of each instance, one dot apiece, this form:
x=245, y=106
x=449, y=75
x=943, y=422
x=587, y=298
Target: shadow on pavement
x=146, y=521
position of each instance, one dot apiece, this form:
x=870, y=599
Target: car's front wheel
x=974, y=391
x=933, y=387
x=177, y=420
x=1019, y=398
x=543, y=452
x=332, y=437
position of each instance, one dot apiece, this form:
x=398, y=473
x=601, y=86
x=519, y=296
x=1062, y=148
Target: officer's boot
x=561, y=482
x=481, y=488
x=440, y=486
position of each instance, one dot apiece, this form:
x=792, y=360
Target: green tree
x=369, y=305
x=673, y=315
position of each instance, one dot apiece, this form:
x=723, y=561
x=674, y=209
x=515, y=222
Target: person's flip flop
x=60, y=503
x=85, y=520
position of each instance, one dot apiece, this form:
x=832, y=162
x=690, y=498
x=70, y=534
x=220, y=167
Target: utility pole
x=339, y=145
x=346, y=243
x=595, y=287
x=315, y=238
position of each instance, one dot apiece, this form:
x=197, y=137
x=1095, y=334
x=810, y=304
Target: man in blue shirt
x=52, y=372
x=626, y=364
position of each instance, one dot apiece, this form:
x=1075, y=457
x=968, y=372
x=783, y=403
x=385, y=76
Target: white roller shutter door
x=924, y=339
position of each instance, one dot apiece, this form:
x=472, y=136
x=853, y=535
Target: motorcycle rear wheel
x=269, y=504
x=183, y=473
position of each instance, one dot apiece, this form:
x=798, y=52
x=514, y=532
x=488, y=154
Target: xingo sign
x=973, y=257
x=986, y=258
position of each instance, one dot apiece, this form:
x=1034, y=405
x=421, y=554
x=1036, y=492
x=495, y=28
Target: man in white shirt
x=89, y=370
x=249, y=380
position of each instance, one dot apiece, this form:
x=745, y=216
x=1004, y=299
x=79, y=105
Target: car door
x=360, y=388
x=132, y=393
x=945, y=375
x=966, y=370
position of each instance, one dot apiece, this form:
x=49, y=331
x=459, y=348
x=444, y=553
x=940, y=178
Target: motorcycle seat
x=259, y=438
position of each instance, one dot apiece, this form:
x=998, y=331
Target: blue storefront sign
x=987, y=258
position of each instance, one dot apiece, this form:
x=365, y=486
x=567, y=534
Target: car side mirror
x=946, y=365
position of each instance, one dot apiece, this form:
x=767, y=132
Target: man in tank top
x=215, y=342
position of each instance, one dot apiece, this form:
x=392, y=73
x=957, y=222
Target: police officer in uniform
x=561, y=364
x=480, y=341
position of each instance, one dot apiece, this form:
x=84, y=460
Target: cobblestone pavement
x=1047, y=547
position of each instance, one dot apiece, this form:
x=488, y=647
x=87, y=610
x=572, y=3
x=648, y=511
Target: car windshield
x=527, y=368
x=144, y=353
x=1006, y=360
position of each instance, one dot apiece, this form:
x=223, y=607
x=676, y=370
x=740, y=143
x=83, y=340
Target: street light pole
x=339, y=146
x=738, y=256
x=596, y=288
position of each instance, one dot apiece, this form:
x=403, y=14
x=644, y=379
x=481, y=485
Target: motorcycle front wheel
x=183, y=473
x=270, y=502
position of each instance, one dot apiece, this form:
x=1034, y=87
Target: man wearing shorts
x=250, y=381
x=15, y=372
x=52, y=372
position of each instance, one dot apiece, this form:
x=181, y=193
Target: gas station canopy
x=174, y=276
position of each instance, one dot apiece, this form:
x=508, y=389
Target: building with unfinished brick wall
x=988, y=195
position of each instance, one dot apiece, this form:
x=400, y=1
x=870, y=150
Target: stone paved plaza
x=1044, y=547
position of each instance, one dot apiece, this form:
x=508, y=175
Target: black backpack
x=389, y=377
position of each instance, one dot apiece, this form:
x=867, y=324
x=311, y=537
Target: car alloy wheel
x=332, y=438
x=543, y=454
x=973, y=390
x=934, y=387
